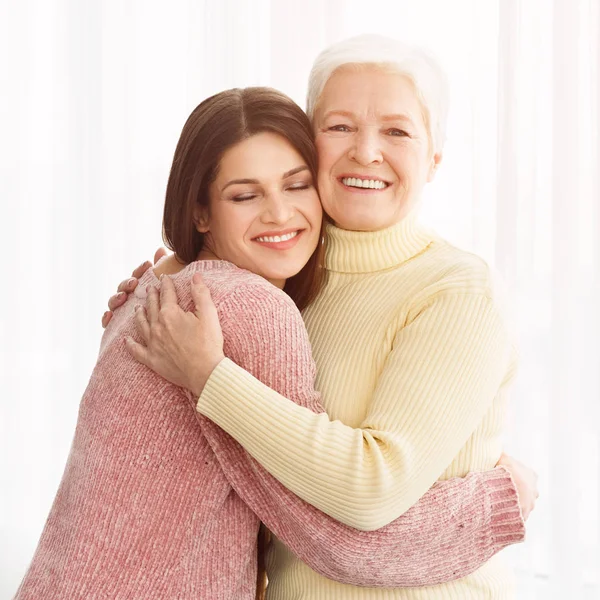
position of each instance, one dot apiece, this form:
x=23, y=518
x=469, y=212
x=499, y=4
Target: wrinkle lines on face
x=370, y=124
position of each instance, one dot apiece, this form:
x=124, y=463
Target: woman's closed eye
x=244, y=197
x=304, y=185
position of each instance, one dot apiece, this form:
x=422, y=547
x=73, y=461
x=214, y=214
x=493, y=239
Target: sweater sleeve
x=450, y=532
x=447, y=364
x=456, y=527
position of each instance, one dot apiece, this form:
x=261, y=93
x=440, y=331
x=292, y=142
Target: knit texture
x=146, y=508
x=414, y=360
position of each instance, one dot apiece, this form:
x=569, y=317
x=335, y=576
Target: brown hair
x=215, y=125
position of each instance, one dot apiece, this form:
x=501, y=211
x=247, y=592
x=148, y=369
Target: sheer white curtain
x=93, y=97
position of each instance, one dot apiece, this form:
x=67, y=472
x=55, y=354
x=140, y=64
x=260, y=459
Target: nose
x=278, y=209
x=366, y=148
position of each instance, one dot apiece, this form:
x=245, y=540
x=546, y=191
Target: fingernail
x=130, y=281
x=120, y=294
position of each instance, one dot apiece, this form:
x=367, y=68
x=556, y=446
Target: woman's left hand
x=183, y=347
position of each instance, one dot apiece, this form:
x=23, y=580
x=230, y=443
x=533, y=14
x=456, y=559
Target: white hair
x=411, y=61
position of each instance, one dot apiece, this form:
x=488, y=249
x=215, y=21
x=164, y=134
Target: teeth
x=278, y=238
x=374, y=184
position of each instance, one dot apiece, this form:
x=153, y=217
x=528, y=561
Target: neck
x=370, y=251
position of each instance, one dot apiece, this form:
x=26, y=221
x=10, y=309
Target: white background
x=93, y=95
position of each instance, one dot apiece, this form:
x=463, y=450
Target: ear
x=436, y=159
x=201, y=218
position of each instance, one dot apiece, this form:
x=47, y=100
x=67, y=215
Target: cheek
x=403, y=163
x=317, y=211
x=231, y=226
x=311, y=209
x=328, y=152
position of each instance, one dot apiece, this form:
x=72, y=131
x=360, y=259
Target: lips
x=277, y=238
x=363, y=183
x=283, y=240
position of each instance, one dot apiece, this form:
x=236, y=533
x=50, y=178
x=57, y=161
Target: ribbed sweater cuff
x=507, y=524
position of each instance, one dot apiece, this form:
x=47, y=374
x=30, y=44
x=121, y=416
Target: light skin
x=263, y=192
x=264, y=215
x=369, y=125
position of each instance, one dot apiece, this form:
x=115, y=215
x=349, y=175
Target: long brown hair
x=215, y=125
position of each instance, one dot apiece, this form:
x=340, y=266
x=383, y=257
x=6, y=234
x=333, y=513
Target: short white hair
x=411, y=61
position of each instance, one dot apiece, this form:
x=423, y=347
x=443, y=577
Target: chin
x=281, y=275
x=360, y=223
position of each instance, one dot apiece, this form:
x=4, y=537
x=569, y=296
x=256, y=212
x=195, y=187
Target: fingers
x=139, y=352
x=117, y=300
x=141, y=322
x=168, y=294
x=128, y=285
x=200, y=293
x=137, y=273
x=152, y=304
x=106, y=317
x=159, y=254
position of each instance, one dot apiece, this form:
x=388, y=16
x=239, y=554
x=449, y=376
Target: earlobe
x=201, y=219
x=435, y=163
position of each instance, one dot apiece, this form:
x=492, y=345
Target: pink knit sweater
x=156, y=502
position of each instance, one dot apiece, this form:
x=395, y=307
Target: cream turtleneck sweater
x=413, y=362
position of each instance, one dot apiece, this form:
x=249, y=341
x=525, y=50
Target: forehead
x=259, y=156
x=370, y=93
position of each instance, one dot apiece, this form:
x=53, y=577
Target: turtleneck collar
x=369, y=251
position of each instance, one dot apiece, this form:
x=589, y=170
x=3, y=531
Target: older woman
x=414, y=358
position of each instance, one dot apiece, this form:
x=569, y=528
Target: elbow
x=369, y=522
x=379, y=489
x=375, y=512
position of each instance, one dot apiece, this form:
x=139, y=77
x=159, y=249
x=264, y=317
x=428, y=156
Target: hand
x=127, y=286
x=183, y=347
x=526, y=481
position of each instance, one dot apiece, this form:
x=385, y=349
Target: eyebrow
x=255, y=181
x=395, y=117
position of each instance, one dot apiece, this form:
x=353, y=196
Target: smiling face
x=264, y=212
x=374, y=149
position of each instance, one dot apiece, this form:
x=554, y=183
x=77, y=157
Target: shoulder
x=448, y=276
x=264, y=333
x=248, y=305
x=248, y=293
x=231, y=286
x=453, y=270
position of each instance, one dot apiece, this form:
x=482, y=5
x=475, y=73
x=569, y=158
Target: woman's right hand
x=525, y=480
x=127, y=286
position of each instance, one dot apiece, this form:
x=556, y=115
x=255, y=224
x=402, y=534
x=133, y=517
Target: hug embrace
x=305, y=399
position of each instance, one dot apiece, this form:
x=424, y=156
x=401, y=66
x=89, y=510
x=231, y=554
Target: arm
x=453, y=353
x=472, y=517
x=451, y=531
